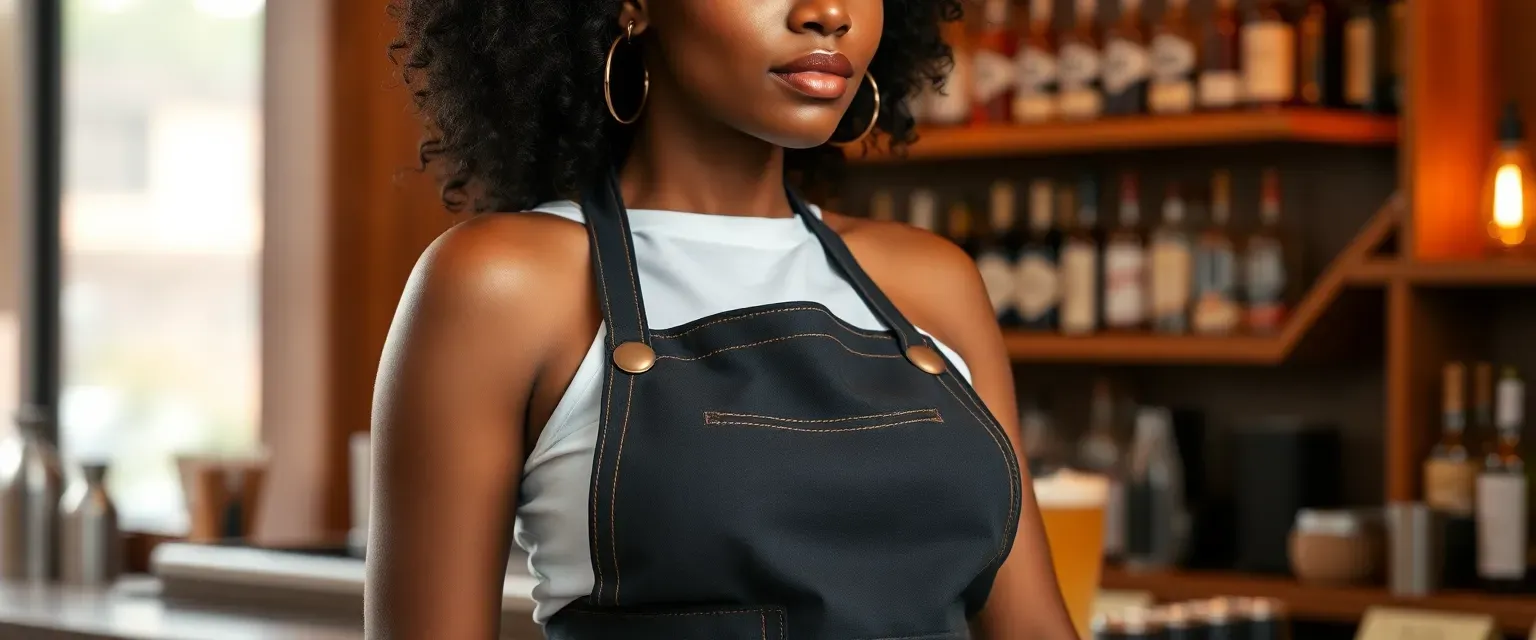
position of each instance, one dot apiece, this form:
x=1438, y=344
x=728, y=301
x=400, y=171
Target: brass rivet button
x=926, y=359
x=634, y=357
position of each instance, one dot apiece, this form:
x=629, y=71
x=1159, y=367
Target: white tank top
x=690, y=266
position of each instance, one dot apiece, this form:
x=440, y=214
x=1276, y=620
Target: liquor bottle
x=1099, y=452
x=960, y=228
x=1043, y=448
x=1221, y=77
x=1000, y=254
x=1034, y=98
x=949, y=104
x=1127, y=65
x=1395, y=51
x=1173, y=62
x=1264, y=271
x=1156, y=522
x=1318, y=44
x=1360, y=62
x=1081, y=66
x=1038, y=279
x=1269, y=56
x=1125, y=264
x=1171, y=268
x=1482, y=436
x=992, y=66
x=882, y=206
x=1080, y=285
x=1450, y=472
x=1216, y=309
x=923, y=210
x=1502, y=494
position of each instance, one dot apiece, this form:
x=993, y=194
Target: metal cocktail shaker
x=31, y=483
x=91, y=548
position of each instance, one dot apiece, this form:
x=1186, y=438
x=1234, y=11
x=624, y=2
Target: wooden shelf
x=1447, y=274
x=1513, y=614
x=1147, y=132
x=1143, y=349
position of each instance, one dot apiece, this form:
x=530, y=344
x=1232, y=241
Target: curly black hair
x=512, y=96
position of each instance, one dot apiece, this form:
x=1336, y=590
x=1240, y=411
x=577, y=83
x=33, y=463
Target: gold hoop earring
x=873, y=119
x=629, y=38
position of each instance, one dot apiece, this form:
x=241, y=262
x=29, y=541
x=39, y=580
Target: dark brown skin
x=501, y=309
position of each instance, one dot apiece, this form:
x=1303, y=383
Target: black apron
x=773, y=473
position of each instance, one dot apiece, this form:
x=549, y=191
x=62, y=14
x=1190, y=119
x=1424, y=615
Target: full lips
x=815, y=84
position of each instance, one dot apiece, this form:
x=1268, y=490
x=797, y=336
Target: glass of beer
x=1072, y=507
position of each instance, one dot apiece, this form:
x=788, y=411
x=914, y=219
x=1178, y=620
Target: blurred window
x=162, y=239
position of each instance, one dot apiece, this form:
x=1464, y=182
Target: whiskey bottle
x=1450, y=471
x=1216, y=309
x=1100, y=452
x=999, y=254
x=1034, y=99
x=1173, y=62
x=1318, y=44
x=1482, y=436
x=1502, y=490
x=949, y=103
x=882, y=206
x=1269, y=56
x=1171, y=269
x=1080, y=264
x=1081, y=66
x=1265, y=277
x=1038, y=277
x=992, y=66
x=961, y=229
x=923, y=210
x=1127, y=67
x=1221, y=78
x=1360, y=61
x=1125, y=264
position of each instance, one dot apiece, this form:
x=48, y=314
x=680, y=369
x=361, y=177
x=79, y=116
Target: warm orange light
x=1508, y=206
x=1507, y=195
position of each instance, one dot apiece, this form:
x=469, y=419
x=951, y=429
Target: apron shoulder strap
x=613, y=262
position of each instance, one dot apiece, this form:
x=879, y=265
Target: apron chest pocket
x=822, y=425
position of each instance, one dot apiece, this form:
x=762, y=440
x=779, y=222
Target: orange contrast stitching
x=834, y=430
x=851, y=329
x=613, y=493
x=633, y=285
x=710, y=417
x=601, y=281
x=1013, y=480
x=778, y=339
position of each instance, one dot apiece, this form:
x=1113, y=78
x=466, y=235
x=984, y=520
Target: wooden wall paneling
x=384, y=214
x=1449, y=122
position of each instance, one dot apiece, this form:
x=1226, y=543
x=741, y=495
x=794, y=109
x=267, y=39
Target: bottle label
x=993, y=75
x=1173, y=58
x=1125, y=64
x=1038, y=288
x=1359, y=60
x=1079, y=273
x=1170, y=278
x=997, y=273
x=1448, y=486
x=1220, y=89
x=1079, y=66
x=1215, y=311
x=1125, y=299
x=1266, y=272
x=952, y=104
x=1269, y=61
x=1501, y=526
x=1035, y=98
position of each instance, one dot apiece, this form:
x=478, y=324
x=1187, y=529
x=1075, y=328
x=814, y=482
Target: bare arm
x=448, y=425
x=938, y=288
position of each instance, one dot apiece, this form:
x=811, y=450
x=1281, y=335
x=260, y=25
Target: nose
x=821, y=17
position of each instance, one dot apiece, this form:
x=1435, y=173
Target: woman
x=762, y=444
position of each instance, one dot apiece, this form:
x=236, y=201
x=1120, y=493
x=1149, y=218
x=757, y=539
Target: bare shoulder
x=502, y=271
x=932, y=281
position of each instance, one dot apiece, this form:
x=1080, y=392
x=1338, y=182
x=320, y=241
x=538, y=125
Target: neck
x=683, y=160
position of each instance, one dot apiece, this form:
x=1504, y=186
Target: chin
x=799, y=134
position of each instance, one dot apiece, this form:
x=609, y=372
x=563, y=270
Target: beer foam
x=1072, y=489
